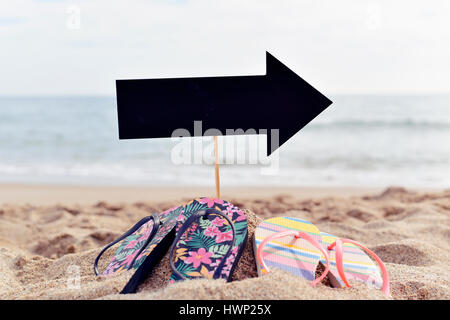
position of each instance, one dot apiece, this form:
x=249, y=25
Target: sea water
x=360, y=140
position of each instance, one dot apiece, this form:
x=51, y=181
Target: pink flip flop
x=351, y=260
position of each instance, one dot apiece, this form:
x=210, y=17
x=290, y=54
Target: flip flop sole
x=205, y=243
x=357, y=264
x=296, y=256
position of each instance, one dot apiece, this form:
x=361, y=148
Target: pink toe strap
x=296, y=234
x=340, y=263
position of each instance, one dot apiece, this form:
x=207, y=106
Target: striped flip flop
x=349, y=260
x=291, y=244
x=297, y=246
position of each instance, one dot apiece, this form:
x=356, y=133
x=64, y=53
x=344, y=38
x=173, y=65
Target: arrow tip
x=298, y=100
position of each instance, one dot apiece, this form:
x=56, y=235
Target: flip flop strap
x=340, y=263
x=296, y=234
x=156, y=224
x=186, y=225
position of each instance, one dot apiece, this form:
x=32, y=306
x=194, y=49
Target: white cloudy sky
x=358, y=46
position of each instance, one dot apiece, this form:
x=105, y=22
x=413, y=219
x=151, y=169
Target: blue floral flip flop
x=142, y=246
x=211, y=235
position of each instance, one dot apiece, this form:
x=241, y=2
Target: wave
x=383, y=122
x=348, y=172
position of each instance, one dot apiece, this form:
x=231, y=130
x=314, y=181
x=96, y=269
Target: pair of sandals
x=205, y=239
x=297, y=246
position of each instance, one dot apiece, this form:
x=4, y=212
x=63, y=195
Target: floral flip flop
x=211, y=236
x=142, y=247
x=291, y=244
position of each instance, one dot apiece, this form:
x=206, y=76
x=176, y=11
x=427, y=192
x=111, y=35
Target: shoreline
x=38, y=194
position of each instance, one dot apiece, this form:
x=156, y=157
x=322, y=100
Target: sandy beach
x=51, y=234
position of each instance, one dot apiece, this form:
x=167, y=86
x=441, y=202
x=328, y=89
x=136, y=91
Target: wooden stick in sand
x=216, y=164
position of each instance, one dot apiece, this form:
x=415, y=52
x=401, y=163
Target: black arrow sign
x=154, y=108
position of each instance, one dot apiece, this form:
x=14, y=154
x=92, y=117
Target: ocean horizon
x=360, y=140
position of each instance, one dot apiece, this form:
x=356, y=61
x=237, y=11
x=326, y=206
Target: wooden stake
x=216, y=164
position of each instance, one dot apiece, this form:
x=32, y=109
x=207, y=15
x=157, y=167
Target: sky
x=57, y=47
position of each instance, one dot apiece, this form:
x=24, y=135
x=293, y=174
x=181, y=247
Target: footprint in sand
x=55, y=247
x=361, y=215
x=103, y=237
x=407, y=252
